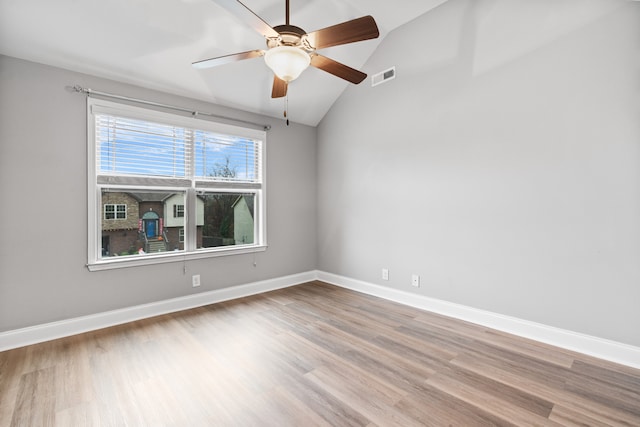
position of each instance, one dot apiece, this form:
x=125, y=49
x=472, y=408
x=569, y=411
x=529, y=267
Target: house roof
x=248, y=200
x=151, y=196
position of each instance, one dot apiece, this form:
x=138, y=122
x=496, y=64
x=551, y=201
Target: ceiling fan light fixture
x=287, y=62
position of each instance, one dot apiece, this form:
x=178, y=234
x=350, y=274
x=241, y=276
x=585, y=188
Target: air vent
x=383, y=76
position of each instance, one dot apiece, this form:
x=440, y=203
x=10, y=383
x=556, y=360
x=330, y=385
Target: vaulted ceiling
x=152, y=43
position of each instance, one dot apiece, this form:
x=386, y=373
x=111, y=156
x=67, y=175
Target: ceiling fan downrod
x=287, y=13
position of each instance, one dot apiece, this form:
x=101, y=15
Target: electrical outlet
x=195, y=280
x=385, y=274
x=415, y=280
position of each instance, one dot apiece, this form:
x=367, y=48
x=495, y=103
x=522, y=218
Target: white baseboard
x=49, y=331
x=586, y=344
x=597, y=347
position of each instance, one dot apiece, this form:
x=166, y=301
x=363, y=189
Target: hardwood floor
x=310, y=355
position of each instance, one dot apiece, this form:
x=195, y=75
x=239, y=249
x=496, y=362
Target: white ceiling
x=152, y=43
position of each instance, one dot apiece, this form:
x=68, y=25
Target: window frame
x=191, y=185
x=115, y=211
x=109, y=209
x=121, y=213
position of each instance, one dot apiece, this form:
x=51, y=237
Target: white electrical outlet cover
x=415, y=280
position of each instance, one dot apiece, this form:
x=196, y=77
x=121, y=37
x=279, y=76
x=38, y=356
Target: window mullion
x=191, y=214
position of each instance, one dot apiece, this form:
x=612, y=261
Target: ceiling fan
x=290, y=49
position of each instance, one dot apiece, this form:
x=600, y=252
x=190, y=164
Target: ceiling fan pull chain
x=286, y=107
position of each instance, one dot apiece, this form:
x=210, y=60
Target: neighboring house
x=243, y=220
x=120, y=223
x=174, y=219
x=153, y=222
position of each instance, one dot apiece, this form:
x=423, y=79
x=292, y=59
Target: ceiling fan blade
x=279, y=88
x=356, y=30
x=337, y=69
x=246, y=15
x=226, y=59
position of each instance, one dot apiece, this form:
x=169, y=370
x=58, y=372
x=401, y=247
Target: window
x=165, y=187
x=112, y=211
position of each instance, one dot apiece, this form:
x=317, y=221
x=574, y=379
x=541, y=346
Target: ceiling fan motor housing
x=290, y=35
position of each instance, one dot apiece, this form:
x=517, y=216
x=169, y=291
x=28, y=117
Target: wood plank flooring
x=310, y=355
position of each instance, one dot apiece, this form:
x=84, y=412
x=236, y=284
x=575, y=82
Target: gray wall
x=502, y=164
x=43, y=220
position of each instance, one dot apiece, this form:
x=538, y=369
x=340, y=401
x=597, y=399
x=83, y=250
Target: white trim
x=598, y=347
x=64, y=328
x=586, y=344
x=180, y=256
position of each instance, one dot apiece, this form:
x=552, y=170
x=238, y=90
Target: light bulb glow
x=287, y=62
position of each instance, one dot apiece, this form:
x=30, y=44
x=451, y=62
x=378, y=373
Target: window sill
x=151, y=259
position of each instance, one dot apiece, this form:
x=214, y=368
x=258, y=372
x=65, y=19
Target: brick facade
x=131, y=222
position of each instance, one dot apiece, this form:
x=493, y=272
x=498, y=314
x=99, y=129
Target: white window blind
x=226, y=158
x=137, y=147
